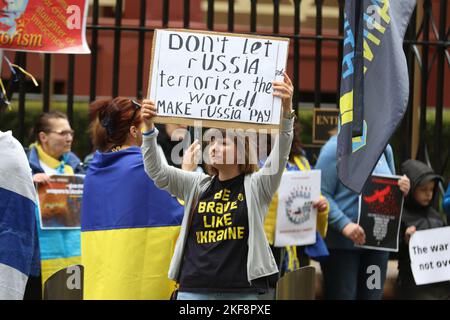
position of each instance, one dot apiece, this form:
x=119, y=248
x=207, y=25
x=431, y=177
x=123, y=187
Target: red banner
x=56, y=26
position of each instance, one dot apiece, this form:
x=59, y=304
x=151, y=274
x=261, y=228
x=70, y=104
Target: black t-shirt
x=215, y=258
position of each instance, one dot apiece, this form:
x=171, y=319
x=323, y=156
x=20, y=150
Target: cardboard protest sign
x=296, y=218
x=60, y=202
x=429, y=251
x=53, y=26
x=223, y=79
x=380, y=212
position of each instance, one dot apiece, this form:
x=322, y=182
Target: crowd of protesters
x=142, y=214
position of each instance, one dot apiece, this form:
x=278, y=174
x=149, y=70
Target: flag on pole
x=374, y=84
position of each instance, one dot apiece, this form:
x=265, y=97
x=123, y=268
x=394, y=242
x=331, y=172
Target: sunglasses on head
x=136, y=106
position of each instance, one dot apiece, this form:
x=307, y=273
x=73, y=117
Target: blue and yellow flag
x=59, y=248
x=374, y=85
x=128, y=230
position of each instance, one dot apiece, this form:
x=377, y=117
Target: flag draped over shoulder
x=374, y=85
x=59, y=248
x=19, y=247
x=129, y=229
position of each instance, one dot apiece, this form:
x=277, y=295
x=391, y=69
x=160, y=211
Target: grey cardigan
x=259, y=187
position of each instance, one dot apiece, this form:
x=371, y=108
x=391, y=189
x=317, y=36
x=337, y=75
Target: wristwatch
x=290, y=115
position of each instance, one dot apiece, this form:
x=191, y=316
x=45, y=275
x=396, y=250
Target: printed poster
x=296, y=217
x=60, y=202
x=380, y=212
x=51, y=26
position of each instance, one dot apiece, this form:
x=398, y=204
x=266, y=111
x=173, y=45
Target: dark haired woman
x=129, y=227
x=51, y=155
x=222, y=251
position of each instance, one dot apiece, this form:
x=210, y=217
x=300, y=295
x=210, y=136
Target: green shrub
x=9, y=120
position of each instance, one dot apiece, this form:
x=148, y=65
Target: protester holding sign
x=418, y=214
x=222, y=251
x=129, y=226
x=51, y=155
x=345, y=271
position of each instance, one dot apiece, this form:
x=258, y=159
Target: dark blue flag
x=374, y=87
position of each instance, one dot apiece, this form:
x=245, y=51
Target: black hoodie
x=414, y=214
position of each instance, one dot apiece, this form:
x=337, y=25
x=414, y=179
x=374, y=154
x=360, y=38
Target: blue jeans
x=347, y=275
x=216, y=296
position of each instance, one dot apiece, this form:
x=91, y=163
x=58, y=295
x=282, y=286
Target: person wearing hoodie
x=346, y=270
x=128, y=226
x=418, y=214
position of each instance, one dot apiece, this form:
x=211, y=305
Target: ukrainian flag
x=129, y=229
x=59, y=249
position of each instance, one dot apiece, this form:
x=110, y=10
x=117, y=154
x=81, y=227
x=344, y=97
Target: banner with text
x=429, y=251
x=52, y=26
x=60, y=202
x=380, y=212
x=296, y=217
x=217, y=76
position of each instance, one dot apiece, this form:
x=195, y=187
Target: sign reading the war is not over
x=430, y=255
x=222, y=77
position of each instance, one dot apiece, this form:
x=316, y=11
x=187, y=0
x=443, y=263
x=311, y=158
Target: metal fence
x=428, y=45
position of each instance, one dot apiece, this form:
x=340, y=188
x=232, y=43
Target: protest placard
x=296, y=217
x=52, y=26
x=429, y=251
x=223, y=79
x=380, y=212
x=60, y=202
